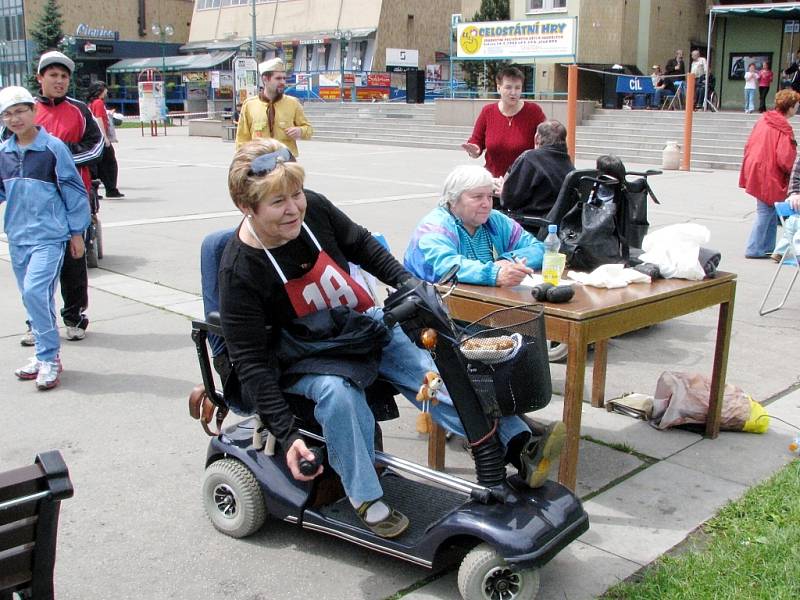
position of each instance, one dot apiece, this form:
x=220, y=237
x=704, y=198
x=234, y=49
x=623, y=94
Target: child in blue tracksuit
x=46, y=209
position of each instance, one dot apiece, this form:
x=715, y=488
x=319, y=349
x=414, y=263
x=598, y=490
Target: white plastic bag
x=674, y=249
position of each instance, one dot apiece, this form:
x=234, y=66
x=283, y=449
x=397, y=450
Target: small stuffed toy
x=427, y=396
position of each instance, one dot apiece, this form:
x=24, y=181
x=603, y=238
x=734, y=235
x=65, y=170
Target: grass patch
x=620, y=447
x=747, y=551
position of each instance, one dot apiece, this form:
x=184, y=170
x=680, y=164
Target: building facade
x=633, y=33
x=331, y=36
x=97, y=32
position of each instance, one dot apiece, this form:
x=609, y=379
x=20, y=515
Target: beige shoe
x=538, y=455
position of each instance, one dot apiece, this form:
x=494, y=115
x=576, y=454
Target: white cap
x=54, y=57
x=11, y=95
x=273, y=64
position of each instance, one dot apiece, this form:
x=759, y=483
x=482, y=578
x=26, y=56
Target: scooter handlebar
x=401, y=312
x=309, y=467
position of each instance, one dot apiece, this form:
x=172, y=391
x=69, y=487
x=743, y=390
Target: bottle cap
x=552, y=228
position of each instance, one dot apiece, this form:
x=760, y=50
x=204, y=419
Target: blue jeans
x=37, y=269
x=762, y=236
x=658, y=96
x=347, y=422
x=749, y=100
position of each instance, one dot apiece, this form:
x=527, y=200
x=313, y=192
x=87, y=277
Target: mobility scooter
x=503, y=529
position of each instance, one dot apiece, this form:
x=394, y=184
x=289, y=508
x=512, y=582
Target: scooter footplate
x=423, y=504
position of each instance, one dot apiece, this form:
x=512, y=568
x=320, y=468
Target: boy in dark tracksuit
x=70, y=121
x=47, y=211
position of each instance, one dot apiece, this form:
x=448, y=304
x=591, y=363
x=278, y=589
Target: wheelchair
x=93, y=238
x=503, y=529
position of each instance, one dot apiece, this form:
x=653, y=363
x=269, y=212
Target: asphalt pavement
x=136, y=527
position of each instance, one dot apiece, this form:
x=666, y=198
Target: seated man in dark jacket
x=531, y=186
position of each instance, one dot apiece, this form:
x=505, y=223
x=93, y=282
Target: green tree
x=48, y=34
x=480, y=74
x=48, y=31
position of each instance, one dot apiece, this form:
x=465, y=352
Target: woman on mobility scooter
x=287, y=261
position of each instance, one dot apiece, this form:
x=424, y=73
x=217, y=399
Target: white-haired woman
x=488, y=247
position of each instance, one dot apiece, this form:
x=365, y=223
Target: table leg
x=573, y=404
x=436, y=447
x=599, y=373
x=720, y=369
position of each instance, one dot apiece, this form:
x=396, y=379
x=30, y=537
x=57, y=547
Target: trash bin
x=415, y=87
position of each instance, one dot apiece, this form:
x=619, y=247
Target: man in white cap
x=70, y=121
x=271, y=114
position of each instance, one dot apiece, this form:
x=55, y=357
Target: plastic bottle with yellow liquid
x=551, y=263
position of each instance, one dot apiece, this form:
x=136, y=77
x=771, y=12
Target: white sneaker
x=75, y=333
x=29, y=371
x=48, y=374
x=27, y=339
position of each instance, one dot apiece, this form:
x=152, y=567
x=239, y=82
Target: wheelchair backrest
x=574, y=188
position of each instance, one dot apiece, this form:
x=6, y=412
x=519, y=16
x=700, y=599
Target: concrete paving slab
x=747, y=458
x=120, y=415
x=614, y=428
x=649, y=513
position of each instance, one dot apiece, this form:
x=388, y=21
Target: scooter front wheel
x=484, y=575
x=233, y=498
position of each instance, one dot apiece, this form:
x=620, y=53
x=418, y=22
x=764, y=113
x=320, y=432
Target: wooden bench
x=30, y=498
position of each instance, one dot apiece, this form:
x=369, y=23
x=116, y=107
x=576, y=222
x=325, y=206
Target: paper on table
x=536, y=279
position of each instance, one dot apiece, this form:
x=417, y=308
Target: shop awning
x=185, y=62
x=786, y=10
x=315, y=37
x=225, y=45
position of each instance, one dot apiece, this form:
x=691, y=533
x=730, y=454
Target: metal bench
x=30, y=499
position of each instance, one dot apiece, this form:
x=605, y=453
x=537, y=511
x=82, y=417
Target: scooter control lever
x=309, y=467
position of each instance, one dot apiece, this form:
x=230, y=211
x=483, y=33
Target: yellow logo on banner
x=470, y=40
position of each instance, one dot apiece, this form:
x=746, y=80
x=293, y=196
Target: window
x=536, y=6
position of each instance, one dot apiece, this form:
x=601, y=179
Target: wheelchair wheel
x=484, y=575
x=233, y=499
x=90, y=241
x=556, y=351
x=98, y=237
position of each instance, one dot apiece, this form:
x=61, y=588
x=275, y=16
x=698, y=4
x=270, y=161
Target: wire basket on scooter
x=506, y=359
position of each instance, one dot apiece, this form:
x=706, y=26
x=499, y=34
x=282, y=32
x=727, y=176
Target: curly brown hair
x=786, y=99
x=248, y=190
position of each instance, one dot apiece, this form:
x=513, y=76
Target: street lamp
x=163, y=33
x=344, y=39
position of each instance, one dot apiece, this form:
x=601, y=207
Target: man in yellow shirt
x=271, y=114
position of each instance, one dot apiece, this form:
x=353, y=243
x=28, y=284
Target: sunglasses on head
x=266, y=163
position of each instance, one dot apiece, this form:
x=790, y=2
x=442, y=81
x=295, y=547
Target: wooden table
x=593, y=316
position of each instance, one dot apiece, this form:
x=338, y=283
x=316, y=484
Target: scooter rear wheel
x=484, y=575
x=233, y=498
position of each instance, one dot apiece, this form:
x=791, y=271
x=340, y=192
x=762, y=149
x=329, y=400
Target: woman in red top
x=764, y=81
x=768, y=158
x=506, y=129
x=107, y=168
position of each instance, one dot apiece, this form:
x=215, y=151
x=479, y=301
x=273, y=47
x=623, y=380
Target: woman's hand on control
x=296, y=451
